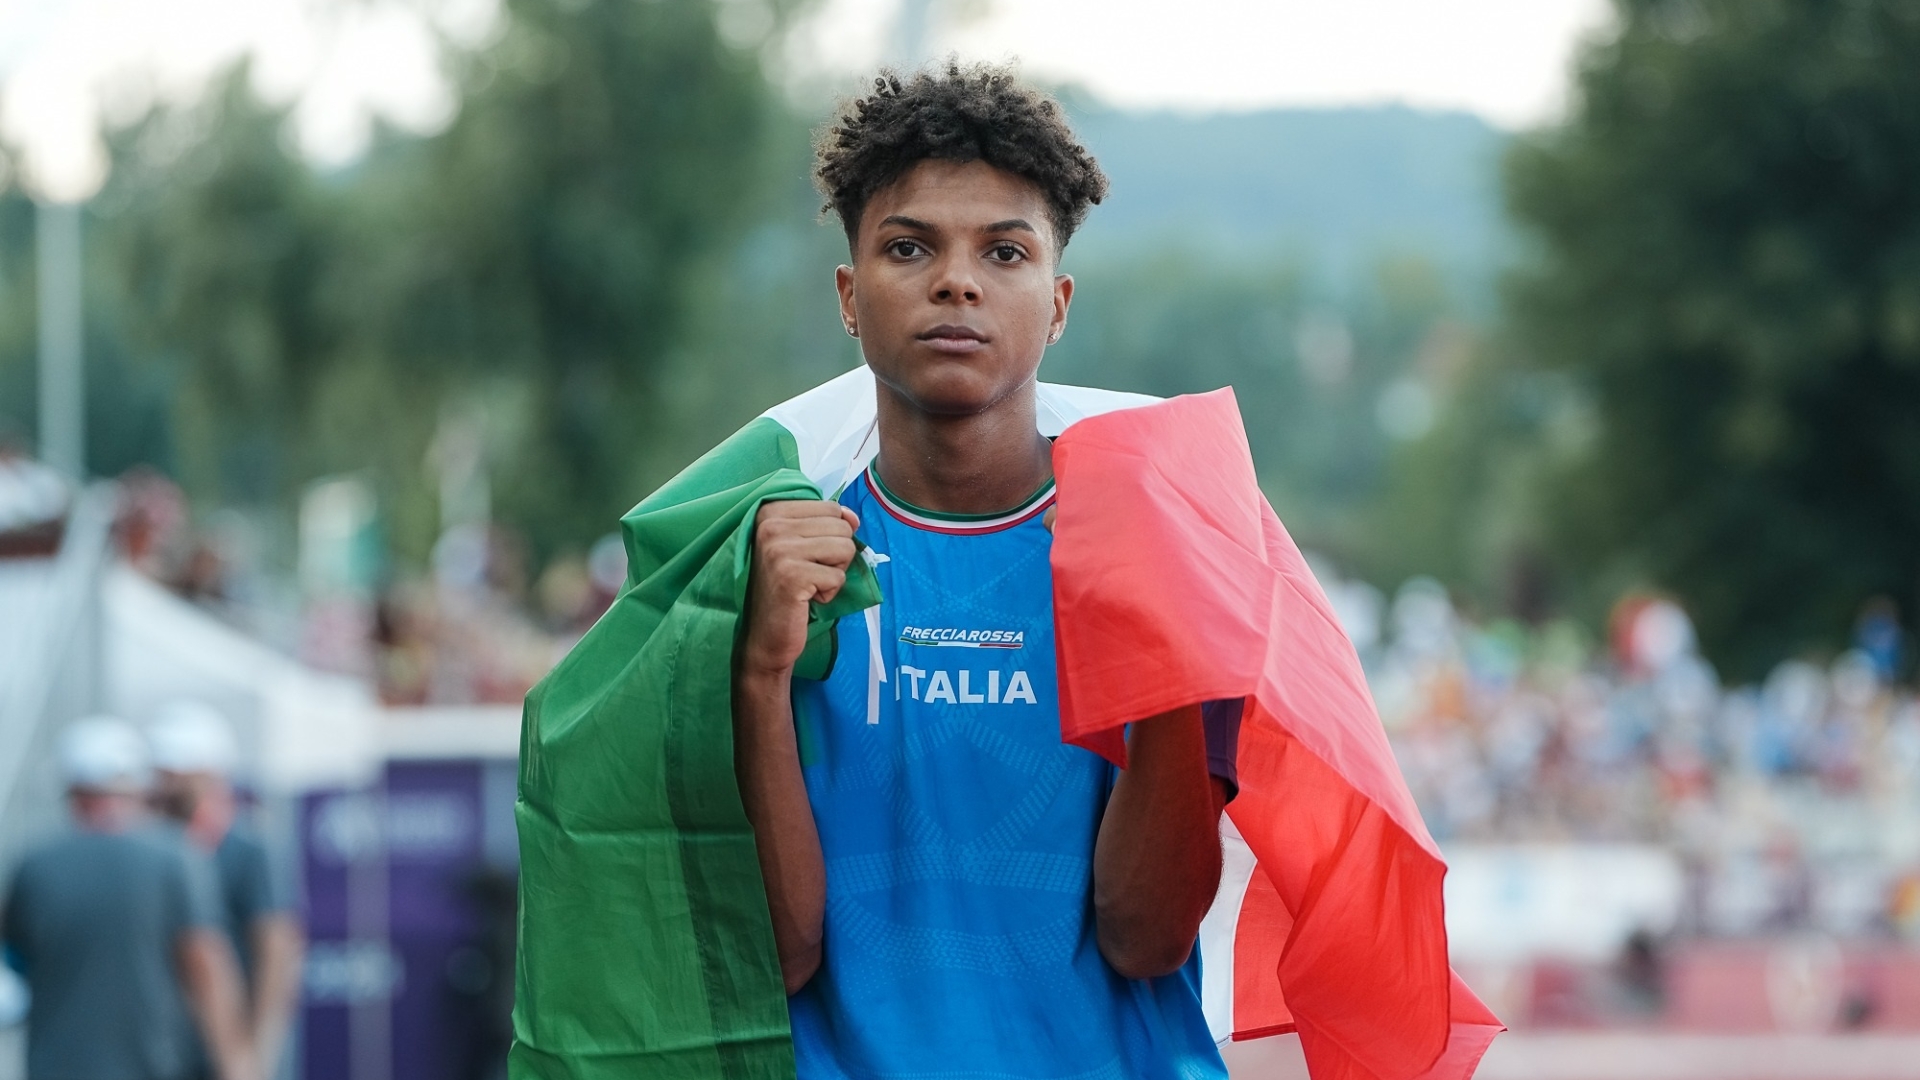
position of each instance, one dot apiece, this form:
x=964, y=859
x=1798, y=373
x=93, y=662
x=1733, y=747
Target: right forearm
x=767, y=764
x=278, y=945
x=211, y=978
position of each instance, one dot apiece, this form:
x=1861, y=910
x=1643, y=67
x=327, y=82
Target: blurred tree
x=606, y=159
x=208, y=251
x=609, y=259
x=1311, y=369
x=18, y=320
x=526, y=275
x=1728, y=263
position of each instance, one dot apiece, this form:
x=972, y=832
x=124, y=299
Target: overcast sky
x=66, y=63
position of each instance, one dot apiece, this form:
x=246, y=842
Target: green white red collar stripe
x=959, y=524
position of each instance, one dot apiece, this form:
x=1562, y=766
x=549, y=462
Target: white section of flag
x=1218, y=931
x=833, y=424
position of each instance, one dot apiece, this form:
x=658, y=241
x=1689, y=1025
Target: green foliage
x=207, y=253
x=1340, y=187
x=1728, y=262
x=1308, y=367
x=604, y=157
x=612, y=258
x=532, y=271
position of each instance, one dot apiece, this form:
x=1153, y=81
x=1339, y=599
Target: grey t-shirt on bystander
x=249, y=891
x=95, y=920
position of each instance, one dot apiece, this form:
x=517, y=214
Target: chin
x=945, y=387
x=951, y=392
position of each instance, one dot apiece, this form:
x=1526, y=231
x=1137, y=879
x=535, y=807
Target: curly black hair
x=981, y=112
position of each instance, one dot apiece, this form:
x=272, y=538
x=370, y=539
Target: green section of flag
x=645, y=946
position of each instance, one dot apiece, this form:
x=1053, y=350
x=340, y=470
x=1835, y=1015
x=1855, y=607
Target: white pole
x=63, y=412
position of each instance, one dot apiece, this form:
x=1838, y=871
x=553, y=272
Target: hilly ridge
x=1331, y=189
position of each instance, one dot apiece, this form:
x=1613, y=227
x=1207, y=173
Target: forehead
x=960, y=197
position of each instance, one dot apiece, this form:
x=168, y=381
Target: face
x=175, y=794
x=952, y=290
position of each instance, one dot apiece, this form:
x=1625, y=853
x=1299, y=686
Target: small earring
x=851, y=331
x=1053, y=337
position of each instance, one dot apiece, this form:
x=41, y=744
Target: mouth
x=954, y=339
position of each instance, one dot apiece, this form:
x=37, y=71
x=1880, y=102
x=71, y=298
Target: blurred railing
x=52, y=672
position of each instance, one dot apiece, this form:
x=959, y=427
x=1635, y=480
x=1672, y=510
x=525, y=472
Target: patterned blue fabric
x=959, y=831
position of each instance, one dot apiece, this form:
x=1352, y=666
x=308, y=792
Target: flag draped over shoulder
x=1175, y=583
x=645, y=945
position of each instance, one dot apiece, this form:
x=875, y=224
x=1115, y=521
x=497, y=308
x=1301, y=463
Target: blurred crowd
x=479, y=626
x=1793, y=804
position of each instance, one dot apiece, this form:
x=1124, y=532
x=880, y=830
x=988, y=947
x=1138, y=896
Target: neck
x=213, y=814
x=979, y=463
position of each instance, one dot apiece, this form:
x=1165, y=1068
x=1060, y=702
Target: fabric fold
x=1175, y=583
x=645, y=946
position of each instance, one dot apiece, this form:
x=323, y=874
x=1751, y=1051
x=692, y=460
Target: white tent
x=299, y=728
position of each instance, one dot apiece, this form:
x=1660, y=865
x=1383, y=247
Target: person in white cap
x=117, y=929
x=194, y=756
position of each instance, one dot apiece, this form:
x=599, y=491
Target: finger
x=1047, y=518
x=852, y=519
x=815, y=582
x=806, y=526
x=835, y=551
x=798, y=508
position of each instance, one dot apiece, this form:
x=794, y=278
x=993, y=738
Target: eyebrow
x=906, y=222
x=1009, y=225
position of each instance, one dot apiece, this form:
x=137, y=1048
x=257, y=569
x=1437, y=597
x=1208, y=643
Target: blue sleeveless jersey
x=959, y=831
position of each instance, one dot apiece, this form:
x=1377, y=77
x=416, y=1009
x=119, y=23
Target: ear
x=843, y=284
x=1062, y=299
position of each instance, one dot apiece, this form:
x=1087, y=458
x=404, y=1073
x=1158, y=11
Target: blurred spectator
x=194, y=754
x=33, y=504
x=466, y=636
x=1788, y=801
x=117, y=929
x=1877, y=634
x=1642, y=974
x=153, y=524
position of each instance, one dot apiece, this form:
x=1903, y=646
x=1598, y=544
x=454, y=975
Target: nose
x=956, y=280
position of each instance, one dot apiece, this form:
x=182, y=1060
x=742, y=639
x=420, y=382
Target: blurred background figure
x=194, y=755
x=117, y=929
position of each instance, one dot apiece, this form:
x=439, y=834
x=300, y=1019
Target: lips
x=949, y=332
x=948, y=338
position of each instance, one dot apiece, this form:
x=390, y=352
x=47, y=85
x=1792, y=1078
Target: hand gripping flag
x=1174, y=583
x=645, y=947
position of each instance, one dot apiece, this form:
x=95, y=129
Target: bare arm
x=801, y=553
x=278, y=945
x=1156, y=863
x=211, y=978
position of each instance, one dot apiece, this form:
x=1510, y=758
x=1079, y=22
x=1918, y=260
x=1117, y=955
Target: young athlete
x=954, y=891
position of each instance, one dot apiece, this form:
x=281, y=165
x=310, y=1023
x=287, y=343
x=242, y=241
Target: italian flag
x=645, y=947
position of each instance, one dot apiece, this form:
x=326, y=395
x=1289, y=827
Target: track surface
x=1644, y=1056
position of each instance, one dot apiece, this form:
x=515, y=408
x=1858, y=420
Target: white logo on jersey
x=963, y=687
x=965, y=639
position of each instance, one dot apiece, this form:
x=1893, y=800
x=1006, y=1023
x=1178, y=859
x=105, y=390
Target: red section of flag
x=1259, y=938
x=1174, y=583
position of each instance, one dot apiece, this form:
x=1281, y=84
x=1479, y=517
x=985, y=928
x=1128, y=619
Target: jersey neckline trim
x=941, y=522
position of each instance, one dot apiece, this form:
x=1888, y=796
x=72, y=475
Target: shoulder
x=167, y=849
x=242, y=849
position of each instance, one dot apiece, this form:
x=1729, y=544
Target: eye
x=904, y=248
x=1005, y=253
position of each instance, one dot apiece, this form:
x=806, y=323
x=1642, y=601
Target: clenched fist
x=801, y=551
